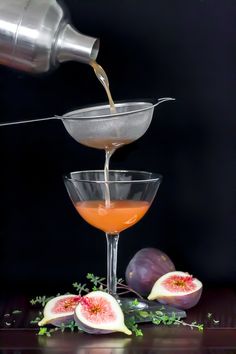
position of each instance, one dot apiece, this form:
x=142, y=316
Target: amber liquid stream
x=102, y=77
x=109, y=145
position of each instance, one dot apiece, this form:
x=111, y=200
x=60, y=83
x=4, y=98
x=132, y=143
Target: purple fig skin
x=64, y=320
x=90, y=330
x=182, y=302
x=145, y=268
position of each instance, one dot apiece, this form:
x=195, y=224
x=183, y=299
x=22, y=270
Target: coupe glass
x=130, y=196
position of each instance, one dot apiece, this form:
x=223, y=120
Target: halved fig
x=100, y=313
x=178, y=289
x=60, y=310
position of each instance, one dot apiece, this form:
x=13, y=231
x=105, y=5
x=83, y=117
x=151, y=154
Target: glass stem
x=112, y=248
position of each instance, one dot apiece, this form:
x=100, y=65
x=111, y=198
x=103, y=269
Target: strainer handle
x=28, y=121
x=163, y=99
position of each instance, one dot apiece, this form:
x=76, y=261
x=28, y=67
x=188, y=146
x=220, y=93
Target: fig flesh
x=100, y=313
x=147, y=265
x=60, y=310
x=178, y=289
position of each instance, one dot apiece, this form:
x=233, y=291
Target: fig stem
x=112, y=248
x=128, y=290
x=119, y=285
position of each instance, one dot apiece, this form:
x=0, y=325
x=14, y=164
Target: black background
x=184, y=49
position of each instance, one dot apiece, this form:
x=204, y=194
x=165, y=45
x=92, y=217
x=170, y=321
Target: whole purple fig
x=147, y=265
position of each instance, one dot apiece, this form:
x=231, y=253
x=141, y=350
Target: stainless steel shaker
x=35, y=36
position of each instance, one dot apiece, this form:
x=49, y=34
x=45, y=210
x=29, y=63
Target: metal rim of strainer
x=67, y=116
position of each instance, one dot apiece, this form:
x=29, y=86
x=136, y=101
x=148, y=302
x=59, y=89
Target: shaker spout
x=72, y=45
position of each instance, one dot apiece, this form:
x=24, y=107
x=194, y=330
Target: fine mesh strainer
x=99, y=128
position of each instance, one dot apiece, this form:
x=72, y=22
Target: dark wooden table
x=17, y=335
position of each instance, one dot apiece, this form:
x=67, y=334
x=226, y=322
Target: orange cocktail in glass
x=112, y=205
x=116, y=217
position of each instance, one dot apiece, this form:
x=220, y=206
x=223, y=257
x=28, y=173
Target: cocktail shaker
x=36, y=36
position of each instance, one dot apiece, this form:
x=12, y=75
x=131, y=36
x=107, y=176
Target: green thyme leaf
x=200, y=327
x=135, y=302
x=133, y=326
x=80, y=288
x=144, y=314
x=95, y=280
x=16, y=312
x=43, y=331
x=41, y=300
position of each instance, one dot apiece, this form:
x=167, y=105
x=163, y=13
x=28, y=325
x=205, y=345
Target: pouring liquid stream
x=102, y=77
x=110, y=147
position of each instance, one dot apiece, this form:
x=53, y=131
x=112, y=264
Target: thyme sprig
x=41, y=300
x=157, y=318
x=213, y=320
x=100, y=284
x=38, y=318
x=133, y=326
x=80, y=288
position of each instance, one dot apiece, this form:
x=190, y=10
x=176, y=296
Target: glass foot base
x=133, y=306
